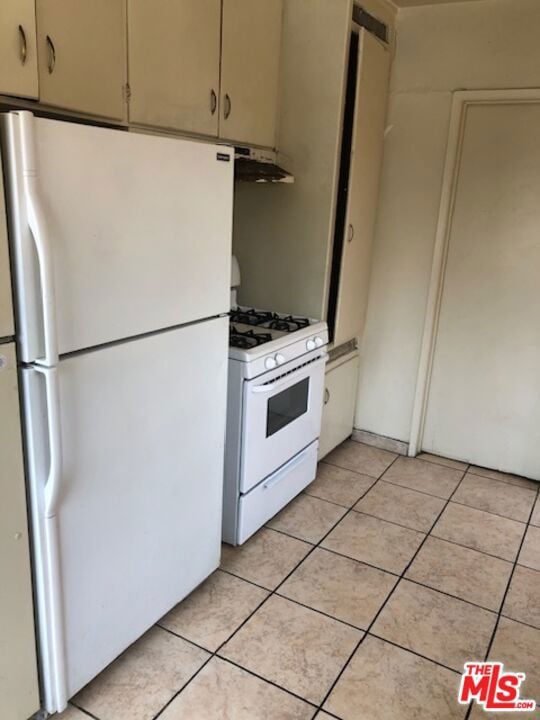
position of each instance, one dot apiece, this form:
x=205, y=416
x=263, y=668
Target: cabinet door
x=174, y=50
x=339, y=404
x=19, y=694
x=82, y=55
x=370, y=115
x=18, y=56
x=250, y=70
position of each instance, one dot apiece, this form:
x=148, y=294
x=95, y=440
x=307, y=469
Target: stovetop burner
x=250, y=317
x=286, y=324
x=269, y=320
x=247, y=339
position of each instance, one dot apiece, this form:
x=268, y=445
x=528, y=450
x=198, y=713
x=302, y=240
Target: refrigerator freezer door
x=6, y=313
x=19, y=691
x=138, y=517
x=138, y=229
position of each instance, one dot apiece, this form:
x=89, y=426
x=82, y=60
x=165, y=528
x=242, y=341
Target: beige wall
x=484, y=44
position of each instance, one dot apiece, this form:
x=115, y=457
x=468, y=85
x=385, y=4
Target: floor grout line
x=508, y=585
x=507, y=482
x=490, y=512
x=423, y=492
x=81, y=709
x=379, y=569
x=414, y=652
x=401, y=577
x=271, y=594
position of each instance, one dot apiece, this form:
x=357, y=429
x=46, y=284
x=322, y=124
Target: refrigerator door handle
x=38, y=228
x=54, y=476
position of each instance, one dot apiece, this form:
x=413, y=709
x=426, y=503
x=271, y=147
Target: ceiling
x=413, y=3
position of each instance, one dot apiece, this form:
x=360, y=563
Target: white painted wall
x=440, y=48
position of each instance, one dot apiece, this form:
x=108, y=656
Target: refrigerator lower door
x=136, y=522
x=19, y=691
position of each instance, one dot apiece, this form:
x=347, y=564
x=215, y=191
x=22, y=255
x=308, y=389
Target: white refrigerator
x=121, y=246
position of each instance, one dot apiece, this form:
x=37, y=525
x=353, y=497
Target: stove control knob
x=310, y=345
x=319, y=342
x=270, y=363
x=280, y=359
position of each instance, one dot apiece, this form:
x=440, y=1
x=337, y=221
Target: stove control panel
x=282, y=351
x=272, y=362
x=315, y=342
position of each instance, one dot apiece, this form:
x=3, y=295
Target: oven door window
x=286, y=406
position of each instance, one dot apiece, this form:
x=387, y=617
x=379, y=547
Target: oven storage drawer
x=265, y=500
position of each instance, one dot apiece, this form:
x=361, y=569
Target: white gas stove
x=266, y=340
x=275, y=399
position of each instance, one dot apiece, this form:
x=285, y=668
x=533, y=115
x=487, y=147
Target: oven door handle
x=284, y=470
x=271, y=386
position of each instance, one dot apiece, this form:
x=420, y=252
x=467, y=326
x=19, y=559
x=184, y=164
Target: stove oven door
x=282, y=416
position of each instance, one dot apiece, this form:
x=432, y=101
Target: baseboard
x=381, y=442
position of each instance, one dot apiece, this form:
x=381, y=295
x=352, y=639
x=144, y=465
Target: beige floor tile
x=361, y=458
x=480, y=530
x=516, y=646
x=456, y=464
x=297, y=648
x=415, y=510
x=338, y=485
x=496, y=497
x=503, y=477
x=424, y=476
x=307, y=518
x=460, y=571
x=535, y=519
x=376, y=542
x=434, y=625
x=323, y=716
x=530, y=551
x=72, y=713
x=523, y=600
x=143, y=679
x=211, y=614
x=346, y=589
x=383, y=682
x=222, y=691
x=266, y=558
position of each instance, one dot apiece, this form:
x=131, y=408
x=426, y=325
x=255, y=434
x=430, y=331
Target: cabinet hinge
x=126, y=92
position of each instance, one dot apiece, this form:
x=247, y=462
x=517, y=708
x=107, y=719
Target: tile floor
x=360, y=600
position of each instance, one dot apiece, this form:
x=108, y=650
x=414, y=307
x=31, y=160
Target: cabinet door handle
x=52, y=55
x=326, y=396
x=350, y=237
x=228, y=107
x=213, y=102
x=23, y=47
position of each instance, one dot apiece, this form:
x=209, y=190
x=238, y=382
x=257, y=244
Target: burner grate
x=269, y=320
x=250, y=317
x=248, y=339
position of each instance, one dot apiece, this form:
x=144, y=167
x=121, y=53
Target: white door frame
x=460, y=103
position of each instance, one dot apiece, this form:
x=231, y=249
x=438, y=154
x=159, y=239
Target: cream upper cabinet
x=82, y=55
x=18, y=57
x=174, y=49
x=366, y=161
x=251, y=42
